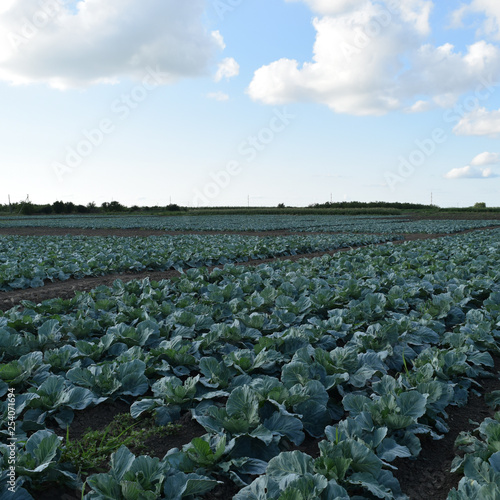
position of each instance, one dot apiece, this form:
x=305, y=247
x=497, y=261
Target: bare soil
x=493, y=216
x=99, y=417
x=67, y=289
x=61, y=231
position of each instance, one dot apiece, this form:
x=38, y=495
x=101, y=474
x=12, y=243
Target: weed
x=91, y=452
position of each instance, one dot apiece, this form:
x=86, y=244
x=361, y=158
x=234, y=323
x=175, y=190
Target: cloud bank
x=103, y=42
x=469, y=172
x=477, y=169
x=480, y=122
x=485, y=159
x=371, y=57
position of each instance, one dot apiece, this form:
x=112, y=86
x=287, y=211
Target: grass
x=92, y=451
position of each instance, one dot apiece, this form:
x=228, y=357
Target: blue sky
x=229, y=102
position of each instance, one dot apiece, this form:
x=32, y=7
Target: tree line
x=68, y=207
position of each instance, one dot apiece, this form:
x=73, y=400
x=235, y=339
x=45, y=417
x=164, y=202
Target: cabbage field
x=296, y=223
x=314, y=378
x=28, y=262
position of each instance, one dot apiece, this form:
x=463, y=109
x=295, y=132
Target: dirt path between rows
x=67, y=289
x=58, y=231
x=61, y=231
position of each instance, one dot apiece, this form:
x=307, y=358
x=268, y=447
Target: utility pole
x=248, y=201
x=24, y=203
x=431, y=199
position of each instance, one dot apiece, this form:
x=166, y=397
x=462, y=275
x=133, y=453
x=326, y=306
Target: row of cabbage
x=28, y=261
x=364, y=350
x=479, y=459
x=306, y=223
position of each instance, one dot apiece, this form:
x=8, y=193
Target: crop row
x=305, y=223
x=479, y=459
x=27, y=261
x=364, y=350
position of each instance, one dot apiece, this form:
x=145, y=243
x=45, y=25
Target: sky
x=250, y=102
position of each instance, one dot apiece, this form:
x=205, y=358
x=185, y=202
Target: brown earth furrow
x=67, y=289
x=59, y=231
x=54, y=231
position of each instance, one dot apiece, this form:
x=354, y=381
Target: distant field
x=298, y=223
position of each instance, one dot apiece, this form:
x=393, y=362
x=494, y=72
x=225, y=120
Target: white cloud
x=485, y=159
x=470, y=172
x=415, y=12
x=228, y=68
x=6, y=5
x=102, y=42
x=327, y=7
x=479, y=123
x=457, y=17
x=218, y=96
x=490, y=26
x=445, y=74
x=476, y=169
x=420, y=106
x=371, y=58
x=219, y=39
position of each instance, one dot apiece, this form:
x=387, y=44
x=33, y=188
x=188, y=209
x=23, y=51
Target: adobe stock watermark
x=45, y=15
x=483, y=92
x=223, y=7
x=425, y=148
x=11, y=431
x=121, y=108
x=248, y=150
x=363, y=36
